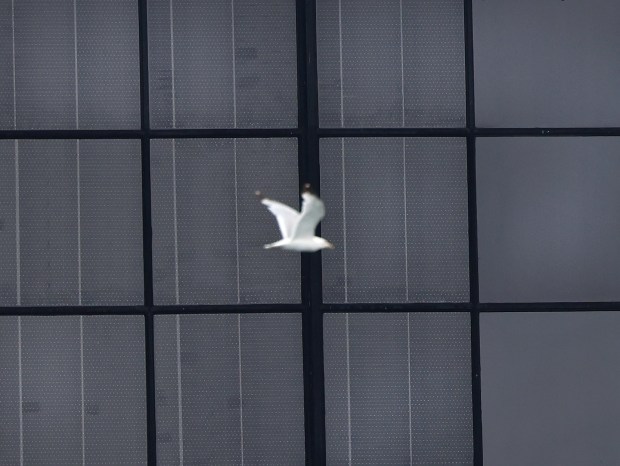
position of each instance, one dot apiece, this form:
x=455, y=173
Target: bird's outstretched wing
x=312, y=211
x=286, y=216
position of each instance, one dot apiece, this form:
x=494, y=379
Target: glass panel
x=550, y=384
x=391, y=63
x=69, y=64
x=69, y=245
x=401, y=235
x=398, y=388
x=550, y=64
x=230, y=387
x=222, y=64
x=204, y=188
x=548, y=219
x=73, y=408
x=111, y=222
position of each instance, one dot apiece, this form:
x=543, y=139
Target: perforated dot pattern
x=65, y=244
x=216, y=254
x=222, y=64
x=398, y=388
x=69, y=64
x=401, y=232
x=391, y=63
x=72, y=408
x=240, y=389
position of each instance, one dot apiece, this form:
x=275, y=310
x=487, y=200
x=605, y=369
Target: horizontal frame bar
x=299, y=308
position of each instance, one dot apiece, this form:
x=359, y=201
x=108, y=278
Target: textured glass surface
x=550, y=385
x=397, y=213
x=548, y=219
x=398, y=388
x=209, y=228
x=391, y=63
x=229, y=389
x=222, y=64
x=80, y=382
x=69, y=64
x=66, y=243
x=549, y=64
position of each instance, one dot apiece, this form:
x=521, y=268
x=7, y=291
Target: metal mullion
x=312, y=317
x=473, y=234
x=147, y=245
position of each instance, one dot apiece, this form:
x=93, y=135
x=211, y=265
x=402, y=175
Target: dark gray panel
x=111, y=222
x=114, y=390
x=215, y=202
x=6, y=65
x=9, y=390
x=548, y=219
x=108, y=64
x=268, y=165
x=373, y=220
x=434, y=62
x=441, y=392
x=265, y=63
x=45, y=64
x=166, y=390
x=52, y=401
x=336, y=388
x=398, y=388
x=437, y=220
x=8, y=244
x=272, y=388
x=328, y=62
x=548, y=63
x=224, y=64
x=210, y=389
x=200, y=34
x=391, y=63
x=379, y=388
x=549, y=388
x=216, y=375
x=160, y=69
x=162, y=212
x=48, y=222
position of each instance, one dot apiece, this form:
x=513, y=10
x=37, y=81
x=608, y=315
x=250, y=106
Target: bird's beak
x=331, y=246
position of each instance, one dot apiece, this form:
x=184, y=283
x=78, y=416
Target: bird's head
x=324, y=244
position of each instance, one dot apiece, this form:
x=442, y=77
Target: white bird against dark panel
x=297, y=228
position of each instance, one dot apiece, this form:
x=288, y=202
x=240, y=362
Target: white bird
x=297, y=228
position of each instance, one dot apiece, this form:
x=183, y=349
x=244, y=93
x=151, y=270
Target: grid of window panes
x=141, y=315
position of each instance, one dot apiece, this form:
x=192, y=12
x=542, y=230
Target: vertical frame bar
x=147, y=243
x=473, y=233
x=311, y=292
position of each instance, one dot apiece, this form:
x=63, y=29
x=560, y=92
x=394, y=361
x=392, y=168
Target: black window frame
x=308, y=134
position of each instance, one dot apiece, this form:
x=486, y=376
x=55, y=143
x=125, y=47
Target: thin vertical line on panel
x=18, y=285
x=240, y=386
x=348, y=390
x=77, y=147
x=179, y=389
x=18, y=290
x=82, y=387
x=79, y=225
x=174, y=165
x=234, y=84
x=344, y=206
x=21, y=398
x=409, y=380
x=402, y=81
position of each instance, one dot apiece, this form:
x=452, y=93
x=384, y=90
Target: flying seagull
x=297, y=228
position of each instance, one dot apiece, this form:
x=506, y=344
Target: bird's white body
x=297, y=228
